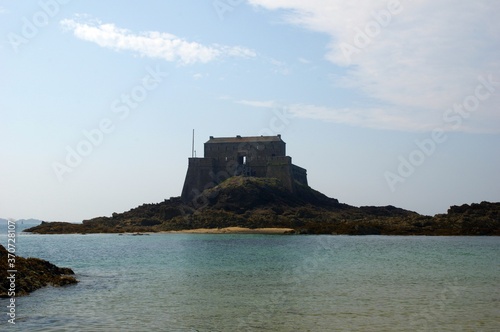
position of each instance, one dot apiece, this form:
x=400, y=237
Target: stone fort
x=224, y=157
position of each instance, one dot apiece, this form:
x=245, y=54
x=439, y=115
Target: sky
x=383, y=102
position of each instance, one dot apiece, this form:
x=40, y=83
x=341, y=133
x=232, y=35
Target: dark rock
x=150, y=222
x=32, y=274
x=264, y=202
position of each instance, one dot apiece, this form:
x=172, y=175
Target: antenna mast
x=192, y=147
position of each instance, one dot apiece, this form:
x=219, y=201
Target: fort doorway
x=242, y=160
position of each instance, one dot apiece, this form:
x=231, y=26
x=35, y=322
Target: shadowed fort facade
x=224, y=157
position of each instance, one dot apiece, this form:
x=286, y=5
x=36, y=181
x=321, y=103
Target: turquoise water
x=203, y=282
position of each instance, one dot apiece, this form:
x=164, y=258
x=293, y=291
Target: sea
x=245, y=282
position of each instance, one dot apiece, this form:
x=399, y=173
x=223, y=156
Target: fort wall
x=261, y=156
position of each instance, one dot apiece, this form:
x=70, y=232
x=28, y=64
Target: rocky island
x=250, y=182
x=263, y=203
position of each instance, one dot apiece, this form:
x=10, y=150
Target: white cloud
x=304, y=61
x=419, y=60
x=152, y=44
x=260, y=104
x=376, y=118
x=386, y=118
x=367, y=117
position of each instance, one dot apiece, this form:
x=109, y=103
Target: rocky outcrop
x=474, y=219
x=264, y=202
x=31, y=274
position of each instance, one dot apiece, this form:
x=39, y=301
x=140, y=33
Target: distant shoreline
x=220, y=230
x=235, y=230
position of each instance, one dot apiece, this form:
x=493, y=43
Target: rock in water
x=32, y=274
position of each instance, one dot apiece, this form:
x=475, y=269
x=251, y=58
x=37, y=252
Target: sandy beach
x=235, y=230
